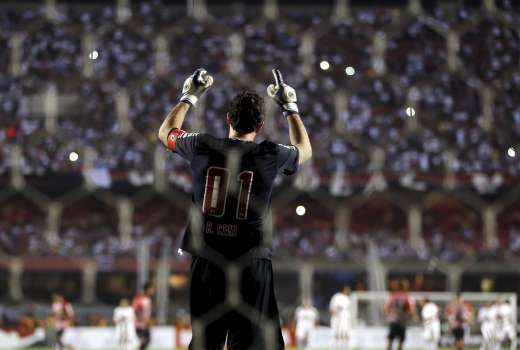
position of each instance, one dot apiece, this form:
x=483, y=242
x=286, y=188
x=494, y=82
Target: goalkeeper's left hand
x=283, y=94
x=195, y=86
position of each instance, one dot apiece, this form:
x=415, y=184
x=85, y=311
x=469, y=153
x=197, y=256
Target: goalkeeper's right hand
x=283, y=94
x=195, y=86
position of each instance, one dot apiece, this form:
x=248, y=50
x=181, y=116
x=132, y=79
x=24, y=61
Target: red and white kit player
x=459, y=314
x=63, y=317
x=399, y=309
x=142, y=305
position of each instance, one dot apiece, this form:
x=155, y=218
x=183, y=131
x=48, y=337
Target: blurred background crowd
x=392, y=99
x=115, y=79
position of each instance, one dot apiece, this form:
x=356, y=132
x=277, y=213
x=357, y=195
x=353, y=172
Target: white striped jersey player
x=432, y=324
x=340, y=320
x=505, y=323
x=124, y=319
x=306, y=317
x=487, y=316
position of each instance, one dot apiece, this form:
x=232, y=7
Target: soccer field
x=49, y=348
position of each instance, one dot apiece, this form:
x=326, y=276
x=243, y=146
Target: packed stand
x=305, y=236
x=318, y=233
x=452, y=230
x=490, y=50
x=382, y=225
x=348, y=116
x=415, y=51
x=127, y=56
x=21, y=223
x=509, y=230
x=103, y=229
x=88, y=227
x=160, y=223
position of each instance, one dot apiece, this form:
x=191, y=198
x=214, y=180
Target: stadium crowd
x=427, y=119
x=90, y=227
x=448, y=104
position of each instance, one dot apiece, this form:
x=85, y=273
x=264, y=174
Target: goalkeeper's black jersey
x=232, y=187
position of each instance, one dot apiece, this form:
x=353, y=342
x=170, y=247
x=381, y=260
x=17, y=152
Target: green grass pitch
x=49, y=348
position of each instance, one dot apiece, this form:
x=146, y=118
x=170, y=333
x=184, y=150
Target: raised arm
x=194, y=86
x=173, y=120
x=285, y=96
x=299, y=137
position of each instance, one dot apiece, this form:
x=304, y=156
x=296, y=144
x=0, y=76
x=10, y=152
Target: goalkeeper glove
x=283, y=94
x=195, y=86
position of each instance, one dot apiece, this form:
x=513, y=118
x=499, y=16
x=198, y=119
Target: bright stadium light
x=511, y=152
x=73, y=156
x=410, y=111
x=324, y=65
x=300, y=210
x=93, y=55
x=350, y=70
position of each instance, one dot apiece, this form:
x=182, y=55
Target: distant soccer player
x=230, y=231
x=431, y=323
x=340, y=321
x=487, y=316
x=63, y=317
x=506, y=323
x=142, y=305
x=306, y=317
x=399, y=309
x=124, y=319
x=459, y=315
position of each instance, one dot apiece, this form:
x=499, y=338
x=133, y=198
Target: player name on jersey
x=227, y=230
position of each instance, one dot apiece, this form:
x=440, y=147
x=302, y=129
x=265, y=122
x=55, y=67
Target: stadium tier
x=414, y=113
x=69, y=78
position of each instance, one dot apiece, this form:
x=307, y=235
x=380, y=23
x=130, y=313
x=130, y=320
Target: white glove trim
x=190, y=99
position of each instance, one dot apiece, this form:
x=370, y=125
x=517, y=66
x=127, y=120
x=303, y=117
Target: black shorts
x=59, y=336
x=253, y=323
x=143, y=334
x=397, y=331
x=458, y=333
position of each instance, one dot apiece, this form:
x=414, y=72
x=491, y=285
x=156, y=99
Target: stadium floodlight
x=93, y=55
x=511, y=152
x=324, y=65
x=349, y=70
x=410, y=111
x=73, y=156
x=300, y=210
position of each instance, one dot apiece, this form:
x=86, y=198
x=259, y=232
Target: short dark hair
x=246, y=111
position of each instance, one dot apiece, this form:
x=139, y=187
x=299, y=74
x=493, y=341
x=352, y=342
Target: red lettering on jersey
x=172, y=137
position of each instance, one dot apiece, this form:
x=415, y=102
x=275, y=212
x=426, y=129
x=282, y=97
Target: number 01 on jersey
x=216, y=192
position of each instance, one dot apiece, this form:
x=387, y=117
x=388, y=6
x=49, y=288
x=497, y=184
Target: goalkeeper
x=229, y=233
